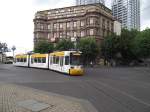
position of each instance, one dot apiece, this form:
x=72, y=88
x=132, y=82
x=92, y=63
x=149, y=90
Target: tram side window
x=57, y=60
x=66, y=60
x=35, y=60
x=43, y=60
x=61, y=61
x=54, y=60
x=39, y=60
x=21, y=60
x=17, y=59
x=25, y=60
x=32, y=60
x=51, y=60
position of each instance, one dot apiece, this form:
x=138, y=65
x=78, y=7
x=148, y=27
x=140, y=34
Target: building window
x=64, y=25
x=49, y=26
x=91, y=31
x=91, y=20
x=82, y=33
x=75, y=34
x=112, y=27
x=68, y=34
x=82, y=23
x=103, y=24
x=55, y=25
x=37, y=35
x=74, y=24
x=38, y=25
x=108, y=25
x=48, y=35
x=42, y=27
x=60, y=25
x=68, y=24
x=60, y=35
x=55, y=35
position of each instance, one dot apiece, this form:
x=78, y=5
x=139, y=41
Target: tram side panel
x=66, y=66
x=39, y=62
x=54, y=63
x=21, y=61
x=59, y=63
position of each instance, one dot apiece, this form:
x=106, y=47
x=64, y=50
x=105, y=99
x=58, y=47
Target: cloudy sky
x=16, y=19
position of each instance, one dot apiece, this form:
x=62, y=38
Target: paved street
x=108, y=89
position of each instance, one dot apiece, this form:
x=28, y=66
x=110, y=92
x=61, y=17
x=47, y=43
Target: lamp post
x=13, y=49
x=4, y=49
x=75, y=40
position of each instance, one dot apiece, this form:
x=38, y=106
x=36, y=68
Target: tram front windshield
x=75, y=59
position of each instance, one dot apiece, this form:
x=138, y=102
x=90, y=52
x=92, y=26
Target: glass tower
x=127, y=12
x=84, y=2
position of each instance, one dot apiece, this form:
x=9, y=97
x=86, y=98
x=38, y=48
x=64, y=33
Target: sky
x=16, y=19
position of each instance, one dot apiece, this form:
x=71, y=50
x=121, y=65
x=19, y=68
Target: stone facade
x=93, y=20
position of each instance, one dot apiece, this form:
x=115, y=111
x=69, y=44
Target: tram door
x=62, y=63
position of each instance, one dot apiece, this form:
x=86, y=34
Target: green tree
x=44, y=47
x=64, y=45
x=141, y=44
x=119, y=48
x=3, y=47
x=89, y=49
x=125, y=45
x=109, y=47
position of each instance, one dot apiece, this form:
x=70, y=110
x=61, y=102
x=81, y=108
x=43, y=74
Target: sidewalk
x=15, y=98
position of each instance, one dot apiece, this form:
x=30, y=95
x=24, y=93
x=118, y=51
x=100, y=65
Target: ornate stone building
x=93, y=20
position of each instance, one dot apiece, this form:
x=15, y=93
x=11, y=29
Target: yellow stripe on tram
x=57, y=54
x=21, y=56
x=38, y=55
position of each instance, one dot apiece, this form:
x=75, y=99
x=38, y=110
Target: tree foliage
x=109, y=47
x=141, y=44
x=89, y=49
x=120, y=47
x=125, y=45
x=44, y=47
x=64, y=45
x=3, y=47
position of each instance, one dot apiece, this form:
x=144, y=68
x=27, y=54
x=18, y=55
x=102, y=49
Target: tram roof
x=62, y=53
x=21, y=56
x=38, y=55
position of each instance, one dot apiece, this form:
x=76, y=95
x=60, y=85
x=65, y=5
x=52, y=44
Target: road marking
x=124, y=93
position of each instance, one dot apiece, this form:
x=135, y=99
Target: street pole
x=13, y=49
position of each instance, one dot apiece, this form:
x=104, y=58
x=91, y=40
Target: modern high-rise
x=85, y=2
x=127, y=12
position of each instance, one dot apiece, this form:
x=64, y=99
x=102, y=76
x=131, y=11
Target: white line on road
x=124, y=93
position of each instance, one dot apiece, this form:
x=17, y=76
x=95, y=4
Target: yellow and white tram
x=68, y=62
x=21, y=60
x=38, y=61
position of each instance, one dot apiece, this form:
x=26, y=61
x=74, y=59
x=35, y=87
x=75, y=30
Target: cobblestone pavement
x=11, y=94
